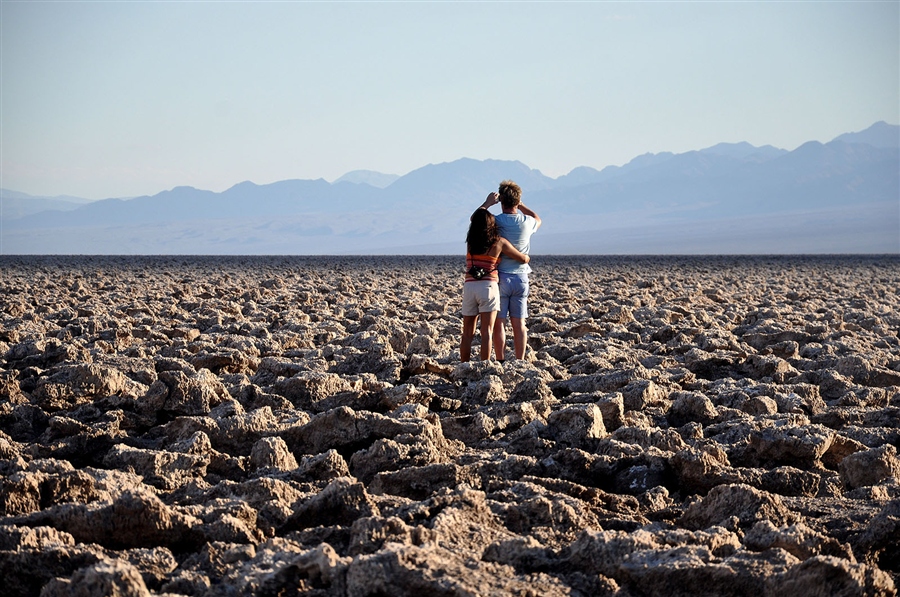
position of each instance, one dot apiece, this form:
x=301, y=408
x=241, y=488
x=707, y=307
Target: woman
x=481, y=294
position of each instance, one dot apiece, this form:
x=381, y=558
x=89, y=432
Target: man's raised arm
x=529, y=212
x=492, y=199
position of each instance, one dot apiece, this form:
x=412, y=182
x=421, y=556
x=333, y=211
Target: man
x=517, y=223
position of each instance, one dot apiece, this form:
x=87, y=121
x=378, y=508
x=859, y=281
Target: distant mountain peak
x=186, y=188
x=741, y=145
x=10, y=194
x=880, y=134
x=744, y=151
x=837, y=196
x=247, y=184
x=369, y=177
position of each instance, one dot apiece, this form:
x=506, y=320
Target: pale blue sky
x=115, y=99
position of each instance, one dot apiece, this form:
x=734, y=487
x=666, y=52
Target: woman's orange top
x=485, y=261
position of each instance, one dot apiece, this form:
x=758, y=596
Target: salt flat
x=303, y=425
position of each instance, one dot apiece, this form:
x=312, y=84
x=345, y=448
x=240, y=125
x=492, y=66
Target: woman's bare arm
x=509, y=250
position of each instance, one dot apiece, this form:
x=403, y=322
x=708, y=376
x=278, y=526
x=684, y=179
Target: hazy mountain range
x=838, y=197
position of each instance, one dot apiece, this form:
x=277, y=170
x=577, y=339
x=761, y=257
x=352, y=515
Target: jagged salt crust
x=278, y=426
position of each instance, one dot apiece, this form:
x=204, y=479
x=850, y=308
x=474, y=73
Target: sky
x=119, y=99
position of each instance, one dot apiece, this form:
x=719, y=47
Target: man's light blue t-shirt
x=517, y=228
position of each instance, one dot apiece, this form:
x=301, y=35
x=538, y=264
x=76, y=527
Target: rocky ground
x=280, y=426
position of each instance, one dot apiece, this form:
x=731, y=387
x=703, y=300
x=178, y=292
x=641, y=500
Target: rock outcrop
x=273, y=426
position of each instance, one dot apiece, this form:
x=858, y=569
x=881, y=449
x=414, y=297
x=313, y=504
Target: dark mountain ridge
x=728, y=182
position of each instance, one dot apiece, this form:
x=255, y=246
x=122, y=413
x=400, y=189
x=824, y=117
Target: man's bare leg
x=500, y=339
x=520, y=336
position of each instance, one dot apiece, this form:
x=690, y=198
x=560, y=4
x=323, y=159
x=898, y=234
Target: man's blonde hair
x=510, y=194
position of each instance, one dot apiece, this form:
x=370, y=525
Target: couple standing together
x=496, y=286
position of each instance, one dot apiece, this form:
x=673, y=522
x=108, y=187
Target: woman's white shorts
x=482, y=296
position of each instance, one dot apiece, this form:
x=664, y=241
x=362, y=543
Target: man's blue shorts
x=513, y=295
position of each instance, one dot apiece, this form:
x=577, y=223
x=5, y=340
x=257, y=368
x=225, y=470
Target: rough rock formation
x=279, y=426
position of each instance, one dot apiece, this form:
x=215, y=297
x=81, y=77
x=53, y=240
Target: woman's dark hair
x=483, y=232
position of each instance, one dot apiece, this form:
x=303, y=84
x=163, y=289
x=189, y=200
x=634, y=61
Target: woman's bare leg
x=468, y=332
x=487, y=331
